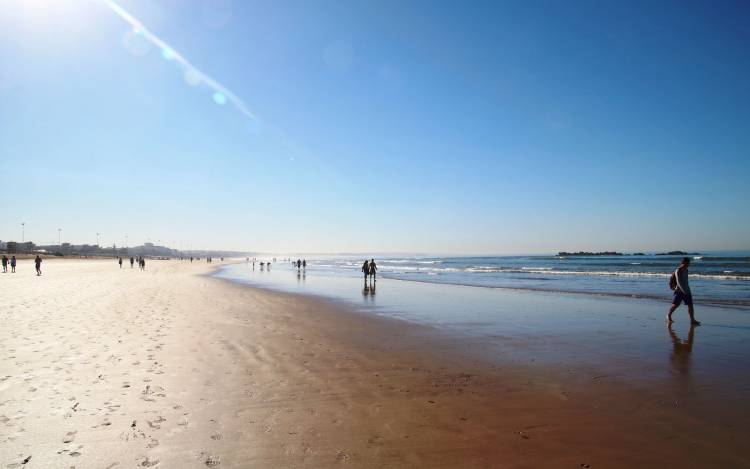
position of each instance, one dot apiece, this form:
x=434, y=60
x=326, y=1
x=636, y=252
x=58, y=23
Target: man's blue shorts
x=679, y=297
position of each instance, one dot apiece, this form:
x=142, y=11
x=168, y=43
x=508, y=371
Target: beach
x=171, y=367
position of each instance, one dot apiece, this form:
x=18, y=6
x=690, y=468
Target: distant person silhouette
x=38, y=264
x=304, y=264
x=299, y=264
x=119, y=261
x=131, y=262
x=366, y=269
x=13, y=264
x=5, y=264
x=373, y=268
x=679, y=283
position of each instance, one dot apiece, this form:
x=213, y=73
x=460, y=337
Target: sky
x=383, y=126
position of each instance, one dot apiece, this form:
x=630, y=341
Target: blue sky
x=441, y=127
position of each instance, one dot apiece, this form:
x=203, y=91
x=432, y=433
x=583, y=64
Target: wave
x=711, y=267
x=718, y=258
x=407, y=261
x=550, y=271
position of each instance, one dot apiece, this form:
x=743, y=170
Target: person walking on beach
x=366, y=269
x=13, y=264
x=679, y=283
x=304, y=264
x=299, y=264
x=119, y=261
x=373, y=269
x=131, y=262
x=38, y=264
x=5, y=264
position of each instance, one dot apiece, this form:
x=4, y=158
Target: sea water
x=718, y=278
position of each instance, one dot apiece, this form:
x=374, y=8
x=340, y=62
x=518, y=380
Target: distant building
x=13, y=247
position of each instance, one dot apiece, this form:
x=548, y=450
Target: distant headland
x=587, y=253
x=615, y=253
x=677, y=253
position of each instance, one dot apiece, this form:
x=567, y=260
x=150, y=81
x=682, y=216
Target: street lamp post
x=59, y=237
x=23, y=232
x=97, y=239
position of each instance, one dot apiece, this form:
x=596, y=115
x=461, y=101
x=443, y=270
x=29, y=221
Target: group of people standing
x=12, y=264
x=369, y=268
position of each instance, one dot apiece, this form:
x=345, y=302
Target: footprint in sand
x=105, y=423
x=69, y=437
x=147, y=462
x=217, y=436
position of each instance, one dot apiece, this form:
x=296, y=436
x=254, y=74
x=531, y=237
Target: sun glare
x=46, y=20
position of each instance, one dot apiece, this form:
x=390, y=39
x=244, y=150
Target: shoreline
x=225, y=375
x=661, y=299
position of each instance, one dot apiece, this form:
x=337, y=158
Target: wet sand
x=110, y=368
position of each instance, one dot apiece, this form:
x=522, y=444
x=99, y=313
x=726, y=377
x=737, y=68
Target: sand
x=170, y=368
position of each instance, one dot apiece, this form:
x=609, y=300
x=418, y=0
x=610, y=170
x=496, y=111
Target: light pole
x=97, y=239
x=126, y=241
x=59, y=237
x=23, y=232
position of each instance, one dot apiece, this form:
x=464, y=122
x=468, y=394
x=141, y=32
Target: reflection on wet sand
x=681, y=356
x=368, y=291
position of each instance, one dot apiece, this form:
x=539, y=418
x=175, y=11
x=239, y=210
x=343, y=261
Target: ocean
x=719, y=278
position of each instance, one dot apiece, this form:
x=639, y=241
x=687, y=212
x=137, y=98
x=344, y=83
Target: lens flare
x=135, y=43
x=191, y=74
x=167, y=53
x=219, y=98
x=192, y=77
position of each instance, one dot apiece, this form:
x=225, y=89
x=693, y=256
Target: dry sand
x=110, y=368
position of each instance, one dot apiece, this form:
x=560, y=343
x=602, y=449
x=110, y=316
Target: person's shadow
x=681, y=356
